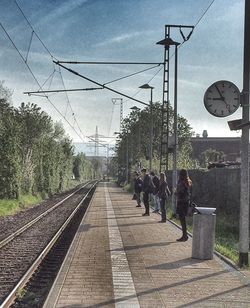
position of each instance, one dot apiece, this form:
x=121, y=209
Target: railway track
x=22, y=252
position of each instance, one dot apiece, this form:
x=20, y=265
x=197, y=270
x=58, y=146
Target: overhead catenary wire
x=49, y=78
x=29, y=46
x=33, y=30
x=189, y=35
x=133, y=74
x=139, y=90
x=204, y=13
x=40, y=87
x=198, y=21
x=90, y=62
x=99, y=84
x=66, y=94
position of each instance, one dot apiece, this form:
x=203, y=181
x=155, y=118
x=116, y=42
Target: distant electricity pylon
x=97, y=142
x=114, y=100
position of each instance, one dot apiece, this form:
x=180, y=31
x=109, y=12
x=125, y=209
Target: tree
x=96, y=167
x=133, y=144
x=211, y=155
x=10, y=161
x=34, y=124
x=5, y=93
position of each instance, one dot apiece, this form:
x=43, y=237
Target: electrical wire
x=97, y=83
x=40, y=87
x=34, y=30
x=66, y=94
x=171, y=56
x=29, y=46
x=68, y=102
x=50, y=77
x=138, y=91
x=205, y=12
x=133, y=74
x=198, y=21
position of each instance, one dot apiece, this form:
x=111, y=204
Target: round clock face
x=222, y=98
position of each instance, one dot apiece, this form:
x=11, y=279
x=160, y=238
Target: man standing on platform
x=155, y=198
x=147, y=188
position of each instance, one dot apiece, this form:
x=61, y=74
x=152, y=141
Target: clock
x=222, y=98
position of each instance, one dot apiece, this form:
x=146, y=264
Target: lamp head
x=146, y=86
x=168, y=42
x=135, y=108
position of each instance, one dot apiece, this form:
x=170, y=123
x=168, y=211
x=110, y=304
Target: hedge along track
x=21, y=254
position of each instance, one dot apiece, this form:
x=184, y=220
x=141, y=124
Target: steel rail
x=32, y=222
x=12, y=295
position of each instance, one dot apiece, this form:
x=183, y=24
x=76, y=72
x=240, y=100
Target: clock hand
x=223, y=98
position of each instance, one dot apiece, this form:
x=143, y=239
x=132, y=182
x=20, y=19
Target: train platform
x=120, y=258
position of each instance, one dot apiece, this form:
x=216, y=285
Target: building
x=230, y=146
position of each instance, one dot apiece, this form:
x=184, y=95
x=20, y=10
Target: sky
x=122, y=31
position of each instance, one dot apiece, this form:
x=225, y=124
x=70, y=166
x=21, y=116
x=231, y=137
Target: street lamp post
x=147, y=86
x=136, y=109
x=167, y=42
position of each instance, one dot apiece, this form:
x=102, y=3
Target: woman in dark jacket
x=183, y=193
x=138, y=188
x=163, y=195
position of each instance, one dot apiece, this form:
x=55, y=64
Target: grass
x=226, y=235
x=12, y=206
x=227, y=250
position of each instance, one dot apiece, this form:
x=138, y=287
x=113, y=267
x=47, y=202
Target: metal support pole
x=108, y=161
x=151, y=130
x=174, y=176
x=244, y=196
x=127, y=160
x=139, y=136
x=147, y=86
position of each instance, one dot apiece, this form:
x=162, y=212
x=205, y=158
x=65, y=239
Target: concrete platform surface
x=120, y=258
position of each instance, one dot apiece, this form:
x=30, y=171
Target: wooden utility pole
x=244, y=196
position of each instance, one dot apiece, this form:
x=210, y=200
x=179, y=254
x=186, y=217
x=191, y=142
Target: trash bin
x=203, y=233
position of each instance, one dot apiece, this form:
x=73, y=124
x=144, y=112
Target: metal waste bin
x=203, y=233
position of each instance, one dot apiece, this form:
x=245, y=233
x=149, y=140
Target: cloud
x=124, y=37
x=65, y=8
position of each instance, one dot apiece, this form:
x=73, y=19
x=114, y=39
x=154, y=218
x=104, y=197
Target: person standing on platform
x=163, y=194
x=155, y=197
x=147, y=188
x=138, y=188
x=183, y=194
